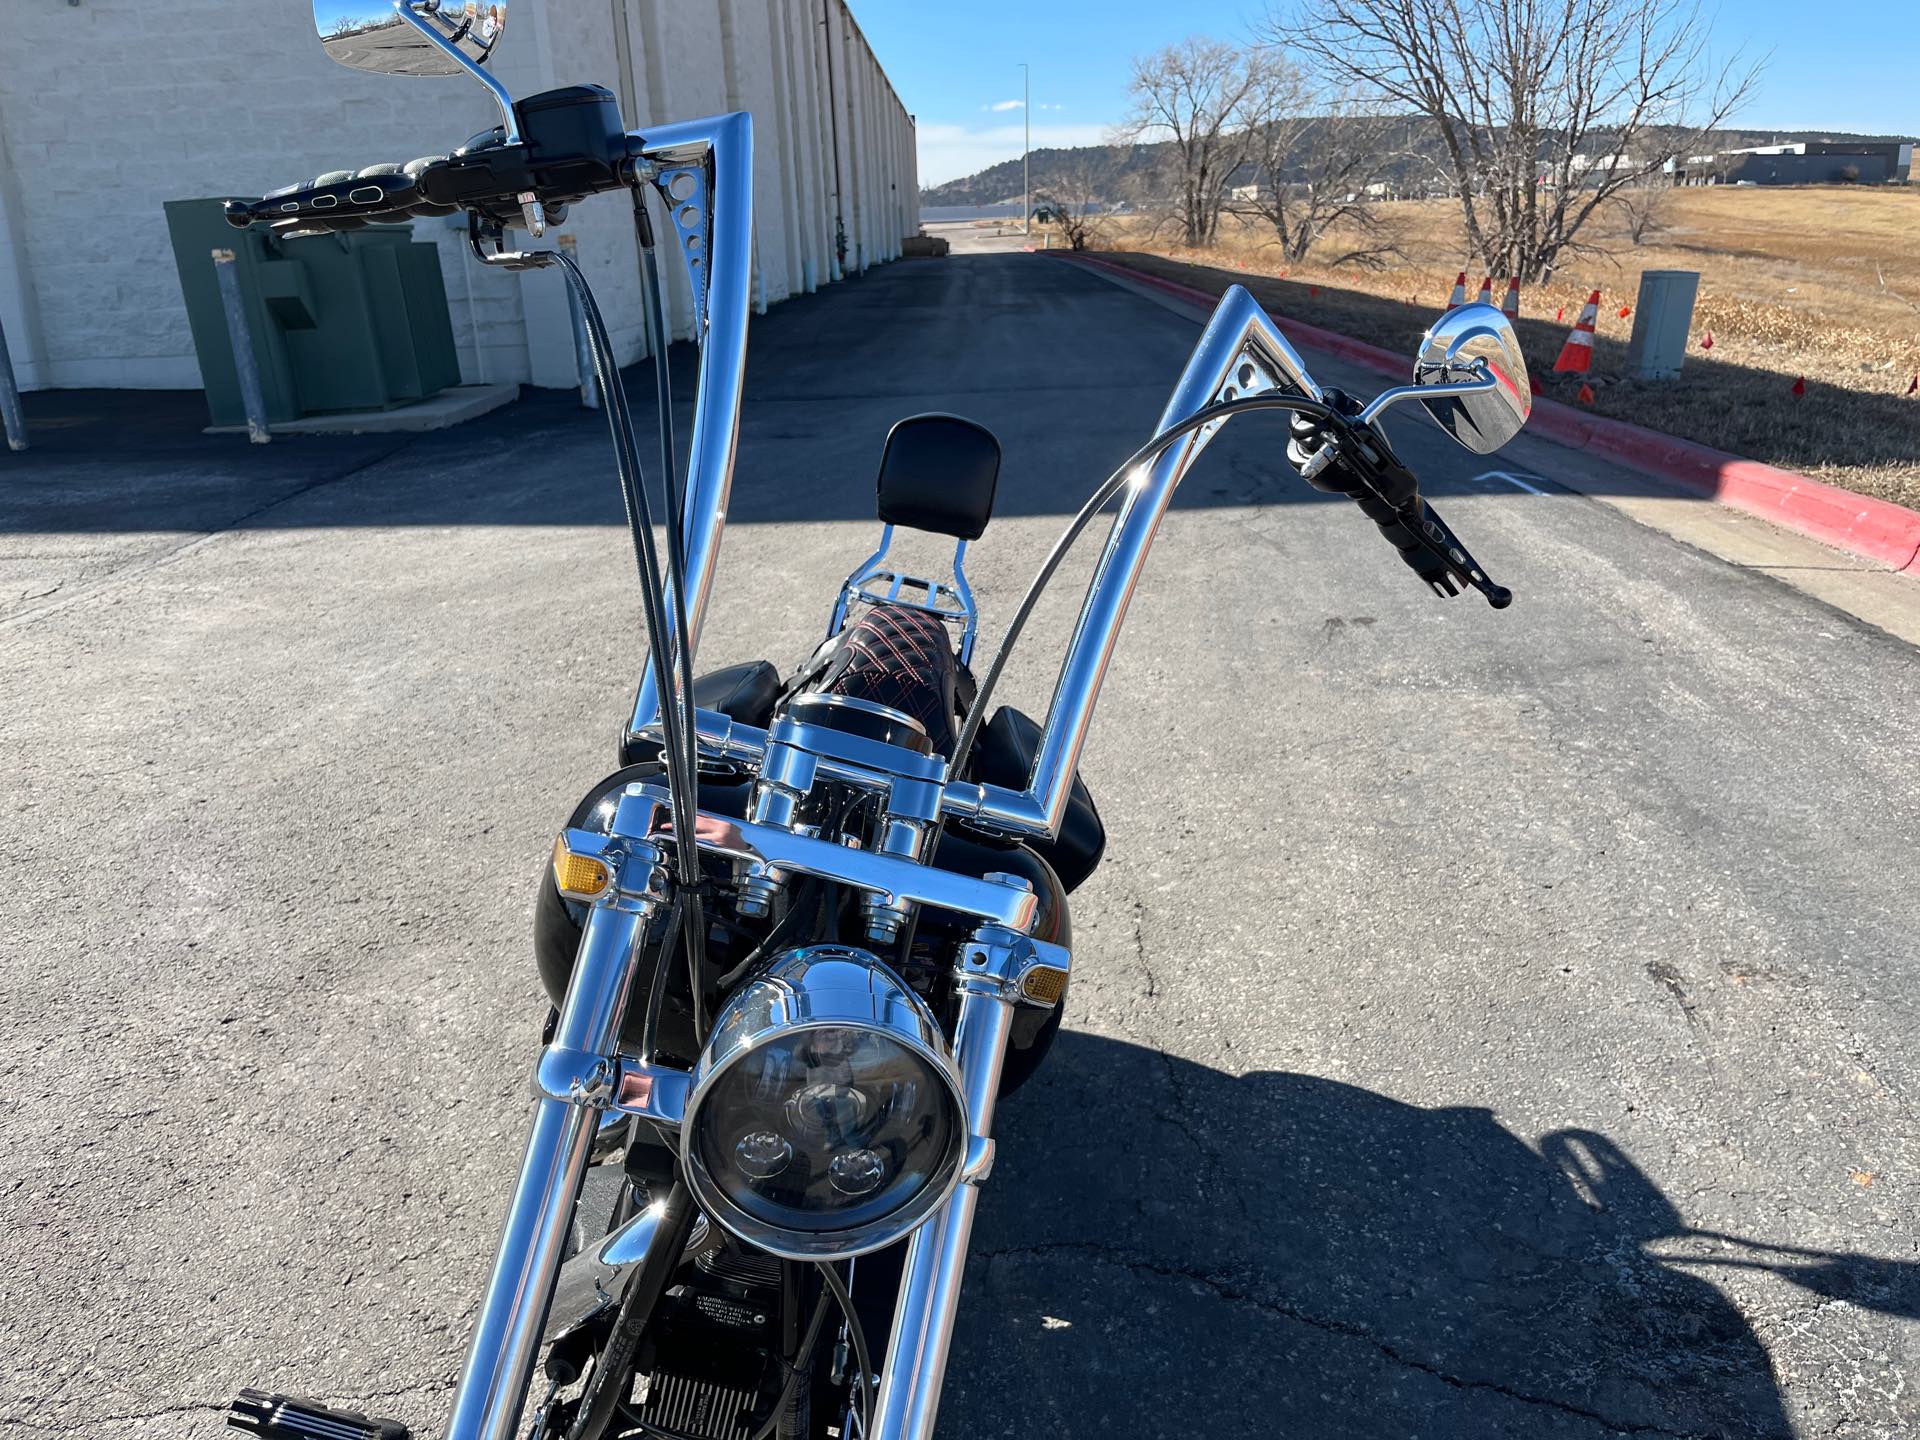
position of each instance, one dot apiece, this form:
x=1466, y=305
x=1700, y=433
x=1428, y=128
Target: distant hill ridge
x=1116, y=173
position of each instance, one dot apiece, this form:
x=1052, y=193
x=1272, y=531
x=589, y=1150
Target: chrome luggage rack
x=949, y=601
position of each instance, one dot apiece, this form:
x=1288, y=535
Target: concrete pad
x=449, y=407
x=968, y=237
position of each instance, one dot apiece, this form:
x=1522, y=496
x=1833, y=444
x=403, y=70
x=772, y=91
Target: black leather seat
x=899, y=657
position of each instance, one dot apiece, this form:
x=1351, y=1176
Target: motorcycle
x=811, y=929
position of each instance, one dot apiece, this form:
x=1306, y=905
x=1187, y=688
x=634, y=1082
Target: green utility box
x=356, y=321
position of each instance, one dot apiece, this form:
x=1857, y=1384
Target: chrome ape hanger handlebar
x=1241, y=355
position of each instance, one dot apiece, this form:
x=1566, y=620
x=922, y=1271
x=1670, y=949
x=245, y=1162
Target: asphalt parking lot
x=1484, y=1024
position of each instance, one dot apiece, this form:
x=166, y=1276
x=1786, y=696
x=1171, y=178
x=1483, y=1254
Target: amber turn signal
x=579, y=877
x=1044, y=985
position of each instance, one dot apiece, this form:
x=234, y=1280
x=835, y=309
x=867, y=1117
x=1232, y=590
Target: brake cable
x=655, y=312
x=859, y=1337
x=676, y=733
x=1114, y=483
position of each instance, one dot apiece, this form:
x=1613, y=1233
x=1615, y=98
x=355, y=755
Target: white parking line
x=1514, y=480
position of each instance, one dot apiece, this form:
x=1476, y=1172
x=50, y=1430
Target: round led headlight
x=826, y=1117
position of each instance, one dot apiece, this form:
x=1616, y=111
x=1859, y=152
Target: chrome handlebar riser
x=721, y=277
x=762, y=850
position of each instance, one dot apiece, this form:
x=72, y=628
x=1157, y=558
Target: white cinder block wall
x=108, y=108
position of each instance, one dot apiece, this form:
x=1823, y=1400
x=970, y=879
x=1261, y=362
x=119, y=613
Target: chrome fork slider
x=915, y=1371
x=575, y=1079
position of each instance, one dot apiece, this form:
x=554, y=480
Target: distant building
x=1594, y=170
x=1803, y=162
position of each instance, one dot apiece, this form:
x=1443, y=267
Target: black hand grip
x=343, y=199
x=324, y=200
x=1367, y=472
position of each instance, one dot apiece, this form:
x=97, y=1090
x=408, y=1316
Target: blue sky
x=1840, y=65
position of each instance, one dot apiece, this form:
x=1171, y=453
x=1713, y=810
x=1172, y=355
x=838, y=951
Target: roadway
x=1484, y=1024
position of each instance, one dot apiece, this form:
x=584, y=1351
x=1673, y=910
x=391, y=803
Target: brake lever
x=1394, y=495
x=1438, y=539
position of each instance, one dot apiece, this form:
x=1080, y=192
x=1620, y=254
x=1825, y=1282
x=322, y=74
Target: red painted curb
x=1873, y=529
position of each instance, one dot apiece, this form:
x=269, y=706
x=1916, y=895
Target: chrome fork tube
x=573, y=1073
x=916, y=1365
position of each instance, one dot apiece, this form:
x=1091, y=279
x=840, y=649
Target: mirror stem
x=1387, y=399
x=509, y=122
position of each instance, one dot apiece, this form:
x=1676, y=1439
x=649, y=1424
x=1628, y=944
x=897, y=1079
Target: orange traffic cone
x=1577, y=353
x=1586, y=394
x=1459, y=296
x=1510, y=307
x=1486, y=291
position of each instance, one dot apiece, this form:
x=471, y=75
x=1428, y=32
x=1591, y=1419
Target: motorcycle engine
x=697, y=1377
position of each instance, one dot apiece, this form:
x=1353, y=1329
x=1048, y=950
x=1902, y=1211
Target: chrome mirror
x=1475, y=342
x=410, y=37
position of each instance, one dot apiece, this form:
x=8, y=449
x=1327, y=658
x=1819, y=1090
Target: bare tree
x=1313, y=155
x=1195, y=95
x=1074, y=193
x=1643, y=207
x=1545, y=111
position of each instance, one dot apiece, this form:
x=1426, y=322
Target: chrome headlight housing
x=826, y=1117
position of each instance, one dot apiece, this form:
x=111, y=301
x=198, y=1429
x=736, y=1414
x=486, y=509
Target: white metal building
x=108, y=108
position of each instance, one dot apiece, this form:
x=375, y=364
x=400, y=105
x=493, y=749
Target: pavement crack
x=1226, y=1289
x=1180, y=1113
x=195, y=1407
x=191, y=1407
x=1140, y=947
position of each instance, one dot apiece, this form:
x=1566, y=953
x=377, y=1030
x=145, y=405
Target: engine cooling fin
x=741, y=1267
x=698, y=1408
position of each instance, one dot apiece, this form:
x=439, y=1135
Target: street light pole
x=1026, y=152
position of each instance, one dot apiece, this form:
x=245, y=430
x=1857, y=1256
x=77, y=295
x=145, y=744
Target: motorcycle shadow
x=1167, y=1249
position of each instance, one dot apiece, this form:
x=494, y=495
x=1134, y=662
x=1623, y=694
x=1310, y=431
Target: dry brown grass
x=1820, y=283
